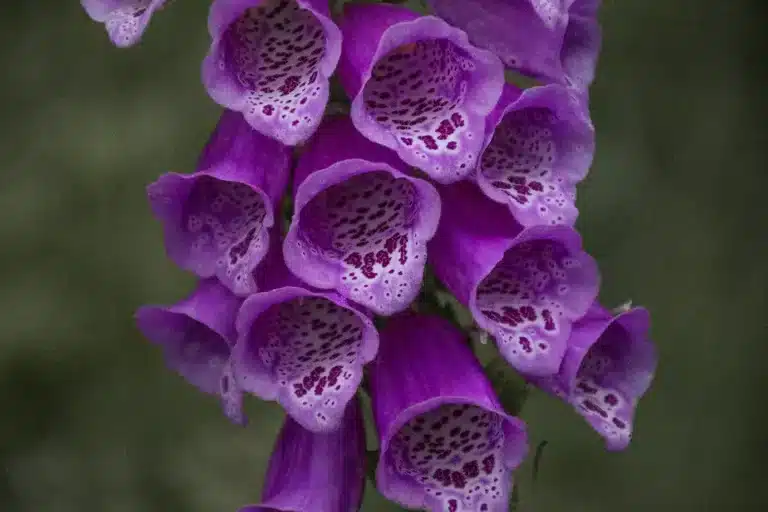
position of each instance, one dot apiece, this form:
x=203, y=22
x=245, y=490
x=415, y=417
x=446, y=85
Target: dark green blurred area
x=674, y=208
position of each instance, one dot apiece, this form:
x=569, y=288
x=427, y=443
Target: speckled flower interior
x=455, y=452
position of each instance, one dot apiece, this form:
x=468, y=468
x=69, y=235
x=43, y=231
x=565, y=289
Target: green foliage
x=338, y=103
x=509, y=386
x=286, y=212
x=429, y=301
x=337, y=6
x=371, y=461
x=514, y=499
x=520, y=80
x=538, y=454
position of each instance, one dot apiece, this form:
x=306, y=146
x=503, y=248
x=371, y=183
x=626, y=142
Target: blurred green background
x=673, y=210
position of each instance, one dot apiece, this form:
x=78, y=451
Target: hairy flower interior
x=225, y=223
x=549, y=11
x=274, y=51
x=367, y=224
x=456, y=453
x=522, y=162
x=417, y=92
x=524, y=297
x=601, y=393
x=312, y=348
x=124, y=22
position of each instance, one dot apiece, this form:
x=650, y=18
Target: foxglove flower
x=197, y=335
x=607, y=368
x=445, y=442
x=303, y=348
x=540, y=143
x=418, y=87
x=271, y=60
x=311, y=472
x=524, y=286
x=125, y=20
x=361, y=223
x=555, y=40
x=216, y=220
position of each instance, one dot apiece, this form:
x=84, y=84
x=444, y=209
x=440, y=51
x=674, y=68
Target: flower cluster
x=434, y=165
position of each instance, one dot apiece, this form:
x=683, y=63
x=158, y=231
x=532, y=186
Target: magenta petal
x=607, y=368
x=272, y=60
x=526, y=34
x=306, y=350
x=418, y=87
x=361, y=223
x=555, y=40
x=581, y=43
x=196, y=335
x=524, y=286
x=125, y=20
x=216, y=221
x=311, y=472
x=446, y=443
x=540, y=144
